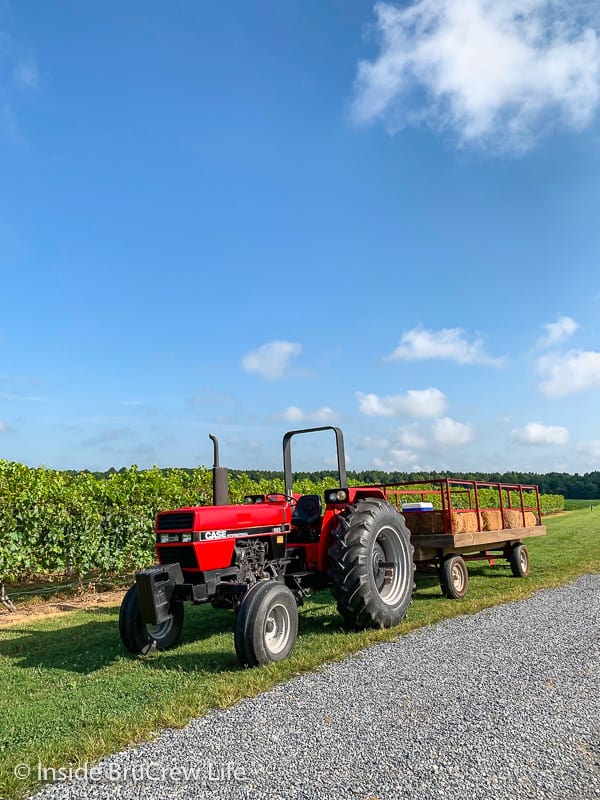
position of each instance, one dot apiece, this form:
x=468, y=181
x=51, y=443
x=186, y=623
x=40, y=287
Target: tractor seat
x=308, y=510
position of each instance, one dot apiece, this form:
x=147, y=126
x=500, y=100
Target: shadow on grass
x=180, y=659
x=317, y=623
x=85, y=647
x=206, y=644
x=94, y=644
x=221, y=656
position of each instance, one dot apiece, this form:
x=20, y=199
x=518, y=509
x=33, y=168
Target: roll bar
x=287, y=455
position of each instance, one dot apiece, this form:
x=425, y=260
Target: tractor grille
x=178, y=521
x=178, y=555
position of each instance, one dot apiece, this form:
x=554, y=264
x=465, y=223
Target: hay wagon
x=262, y=557
x=452, y=521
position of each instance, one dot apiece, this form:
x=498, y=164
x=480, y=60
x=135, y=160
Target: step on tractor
x=261, y=559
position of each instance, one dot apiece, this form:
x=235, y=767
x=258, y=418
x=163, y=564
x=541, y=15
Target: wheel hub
x=523, y=560
x=277, y=629
x=380, y=567
x=458, y=579
x=389, y=562
x=160, y=631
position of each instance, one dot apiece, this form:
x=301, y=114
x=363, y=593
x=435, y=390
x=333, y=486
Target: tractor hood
x=222, y=522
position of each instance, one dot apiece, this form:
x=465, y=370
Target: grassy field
x=574, y=505
x=71, y=695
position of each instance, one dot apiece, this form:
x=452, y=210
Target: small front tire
x=140, y=638
x=266, y=626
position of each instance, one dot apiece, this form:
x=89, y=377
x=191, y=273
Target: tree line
x=571, y=486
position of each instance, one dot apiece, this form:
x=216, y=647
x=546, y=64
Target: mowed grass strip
x=71, y=695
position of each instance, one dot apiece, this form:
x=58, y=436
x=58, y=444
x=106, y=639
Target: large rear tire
x=140, y=638
x=266, y=626
x=371, y=565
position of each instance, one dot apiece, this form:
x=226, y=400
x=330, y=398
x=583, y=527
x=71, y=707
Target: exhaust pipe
x=220, y=477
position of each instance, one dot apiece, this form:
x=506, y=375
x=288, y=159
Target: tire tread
x=349, y=568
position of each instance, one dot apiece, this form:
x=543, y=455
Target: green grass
x=574, y=505
x=70, y=694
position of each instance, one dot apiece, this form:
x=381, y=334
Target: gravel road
x=502, y=704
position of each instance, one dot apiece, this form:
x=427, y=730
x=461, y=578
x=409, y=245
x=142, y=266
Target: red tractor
x=262, y=558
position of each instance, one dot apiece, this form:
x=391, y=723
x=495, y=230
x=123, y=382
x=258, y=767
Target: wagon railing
x=448, y=488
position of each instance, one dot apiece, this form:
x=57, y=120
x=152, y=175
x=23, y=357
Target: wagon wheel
x=454, y=577
x=518, y=559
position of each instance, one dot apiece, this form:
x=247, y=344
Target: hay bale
x=457, y=523
x=530, y=519
x=491, y=520
x=468, y=522
x=464, y=521
x=513, y=519
x=424, y=522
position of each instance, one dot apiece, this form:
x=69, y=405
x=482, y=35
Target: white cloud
x=409, y=437
x=537, y=433
x=372, y=443
x=323, y=415
x=2, y=426
x=590, y=449
x=397, y=451
x=271, y=360
x=415, y=403
x=450, y=433
x=558, y=331
x=492, y=71
x=397, y=459
x=331, y=461
x=575, y=371
x=451, y=344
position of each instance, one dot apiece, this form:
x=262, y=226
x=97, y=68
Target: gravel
x=501, y=704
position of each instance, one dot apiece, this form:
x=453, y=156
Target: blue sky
x=247, y=217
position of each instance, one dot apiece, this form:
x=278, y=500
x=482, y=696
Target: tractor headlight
x=186, y=537
x=336, y=496
x=249, y=499
x=164, y=537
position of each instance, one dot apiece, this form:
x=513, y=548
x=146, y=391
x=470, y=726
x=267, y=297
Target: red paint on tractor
x=208, y=555
x=210, y=518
